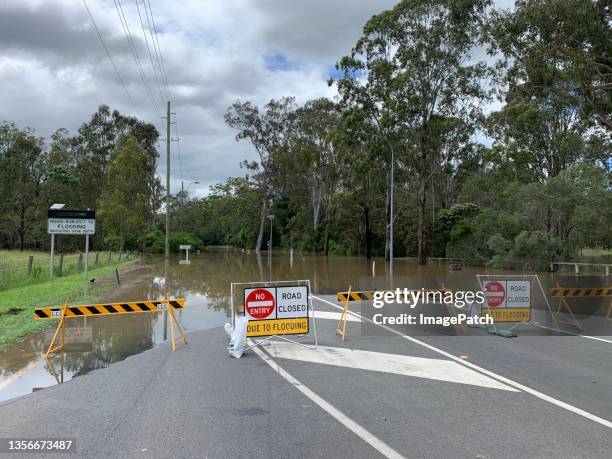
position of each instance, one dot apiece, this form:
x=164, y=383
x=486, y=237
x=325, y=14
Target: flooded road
x=96, y=342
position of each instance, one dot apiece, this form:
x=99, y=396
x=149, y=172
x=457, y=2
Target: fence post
x=61, y=264
x=120, y=252
x=97, y=258
x=30, y=261
x=80, y=262
x=110, y=255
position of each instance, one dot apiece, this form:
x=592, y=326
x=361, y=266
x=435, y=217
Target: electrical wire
x=135, y=56
x=109, y=55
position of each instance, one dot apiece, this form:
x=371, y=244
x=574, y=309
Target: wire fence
x=17, y=271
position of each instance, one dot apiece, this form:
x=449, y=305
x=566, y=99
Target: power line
x=155, y=48
x=128, y=36
x=109, y=55
x=161, y=57
x=162, y=68
x=144, y=34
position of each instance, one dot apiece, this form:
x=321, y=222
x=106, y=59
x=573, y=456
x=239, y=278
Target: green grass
x=14, y=266
x=17, y=324
x=597, y=252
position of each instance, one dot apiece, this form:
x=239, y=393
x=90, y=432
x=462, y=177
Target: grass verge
x=17, y=304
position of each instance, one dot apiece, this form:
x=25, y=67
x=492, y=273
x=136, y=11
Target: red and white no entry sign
x=495, y=293
x=260, y=303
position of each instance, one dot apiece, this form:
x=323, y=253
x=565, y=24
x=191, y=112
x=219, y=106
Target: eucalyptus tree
x=317, y=123
x=23, y=170
x=413, y=65
x=560, y=48
x=268, y=131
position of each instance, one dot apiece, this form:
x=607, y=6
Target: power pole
x=168, y=182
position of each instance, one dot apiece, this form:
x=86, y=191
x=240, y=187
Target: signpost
x=186, y=248
x=72, y=222
x=274, y=309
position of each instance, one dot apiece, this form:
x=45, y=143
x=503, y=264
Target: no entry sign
x=260, y=303
x=508, y=300
x=277, y=310
x=495, y=294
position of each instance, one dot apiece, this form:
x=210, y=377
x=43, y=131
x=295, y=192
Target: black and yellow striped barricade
x=578, y=292
x=68, y=311
x=341, y=327
x=355, y=296
x=368, y=295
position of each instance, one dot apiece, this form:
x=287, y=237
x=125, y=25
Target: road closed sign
x=507, y=300
x=277, y=310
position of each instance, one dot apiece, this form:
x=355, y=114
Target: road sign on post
x=71, y=222
x=186, y=248
x=75, y=222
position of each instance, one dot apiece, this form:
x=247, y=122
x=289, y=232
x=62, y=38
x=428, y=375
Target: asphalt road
x=199, y=402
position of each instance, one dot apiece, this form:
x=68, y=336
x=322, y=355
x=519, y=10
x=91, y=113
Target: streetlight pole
x=271, y=217
x=391, y=210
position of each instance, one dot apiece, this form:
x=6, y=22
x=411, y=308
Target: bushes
x=156, y=241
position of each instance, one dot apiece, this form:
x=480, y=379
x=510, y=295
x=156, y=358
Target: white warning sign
x=277, y=310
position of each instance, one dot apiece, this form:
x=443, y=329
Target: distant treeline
x=528, y=182
x=109, y=166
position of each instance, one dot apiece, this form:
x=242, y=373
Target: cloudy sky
x=54, y=71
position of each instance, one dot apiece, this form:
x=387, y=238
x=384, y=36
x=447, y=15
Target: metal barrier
x=67, y=311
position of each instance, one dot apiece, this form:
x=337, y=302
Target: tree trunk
x=262, y=221
x=326, y=239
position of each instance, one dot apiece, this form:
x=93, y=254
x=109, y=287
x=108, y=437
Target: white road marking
x=438, y=369
x=333, y=316
x=342, y=418
x=535, y=393
x=594, y=337
x=577, y=334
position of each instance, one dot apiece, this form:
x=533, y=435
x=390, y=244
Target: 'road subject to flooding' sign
x=276, y=310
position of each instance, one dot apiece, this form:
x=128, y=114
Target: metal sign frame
x=531, y=320
x=299, y=283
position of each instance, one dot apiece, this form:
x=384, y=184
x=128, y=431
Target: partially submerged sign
x=508, y=300
x=79, y=222
x=277, y=310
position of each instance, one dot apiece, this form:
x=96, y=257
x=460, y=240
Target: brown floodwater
x=96, y=342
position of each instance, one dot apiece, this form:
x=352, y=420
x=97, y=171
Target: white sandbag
x=238, y=341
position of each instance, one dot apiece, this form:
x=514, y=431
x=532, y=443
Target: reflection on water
x=96, y=342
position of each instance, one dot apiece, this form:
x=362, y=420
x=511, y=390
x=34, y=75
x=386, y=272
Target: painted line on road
x=342, y=418
x=333, y=316
x=403, y=365
x=510, y=382
x=576, y=334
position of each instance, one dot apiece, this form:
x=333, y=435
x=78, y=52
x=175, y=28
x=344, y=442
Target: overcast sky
x=54, y=71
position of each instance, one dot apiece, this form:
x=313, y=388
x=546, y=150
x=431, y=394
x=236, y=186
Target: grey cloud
x=48, y=31
x=54, y=72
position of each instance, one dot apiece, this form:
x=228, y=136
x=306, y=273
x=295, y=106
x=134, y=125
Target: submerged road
x=370, y=396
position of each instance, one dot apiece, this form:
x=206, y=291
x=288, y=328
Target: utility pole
x=168, y=182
